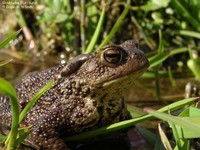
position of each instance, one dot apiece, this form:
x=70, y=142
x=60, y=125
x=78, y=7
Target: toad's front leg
x=43, y=134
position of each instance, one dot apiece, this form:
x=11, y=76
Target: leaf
x=190, y=112
x=2, y=137
x=97, y=32
x=148, y=135
x=182, y=122
x=23, y=133
x=153, y=5
x=60, y=18
x=190, y=33
x=194, y=65
x=34, y=99
x=135, y=111
x=160, y=57
x=152, y=74
x=7, y=89
x=5, y=62
x=164, y=138
x=178, y=5
x=128, y=123
x=116, y=26
x=192, y=115
x=7, y=40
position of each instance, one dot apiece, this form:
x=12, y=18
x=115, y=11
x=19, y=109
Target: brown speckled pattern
x=87, y=97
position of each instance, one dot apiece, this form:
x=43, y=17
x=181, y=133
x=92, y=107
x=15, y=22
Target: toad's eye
x=112, y=56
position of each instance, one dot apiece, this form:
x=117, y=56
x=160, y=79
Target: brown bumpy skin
x=87, y=94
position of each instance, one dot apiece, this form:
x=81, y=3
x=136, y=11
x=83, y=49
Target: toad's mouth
x=129, y=77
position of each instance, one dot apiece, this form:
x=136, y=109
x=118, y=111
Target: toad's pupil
x=112, y=56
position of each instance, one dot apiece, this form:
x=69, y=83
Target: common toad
x=87, y=94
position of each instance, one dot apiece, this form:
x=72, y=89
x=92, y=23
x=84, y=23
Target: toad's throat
x=130, y=78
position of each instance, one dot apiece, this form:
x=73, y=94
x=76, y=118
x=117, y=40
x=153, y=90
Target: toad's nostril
x=137, y=55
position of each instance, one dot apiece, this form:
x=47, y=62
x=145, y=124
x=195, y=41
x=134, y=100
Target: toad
x=87, y=94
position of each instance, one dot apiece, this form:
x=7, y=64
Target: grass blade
x=97, y=31
x=7, y=40
x=5, y=62
x=23, y=133
x=2, y=137
x=152, y=138
x=160, y=57
x=175, y=120
x=190, y=33
x=131, y=122
x=34, y=99
x=182, y=10
x=116, y=25
x=164, y=138
x=7, y=89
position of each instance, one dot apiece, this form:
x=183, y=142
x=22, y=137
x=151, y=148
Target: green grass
x=117, y=25
x=7, y=89
x=186, y=126
x=93, y=41
x=16, y=135
x=13, y=140
x=7, y=40
x=124, y=124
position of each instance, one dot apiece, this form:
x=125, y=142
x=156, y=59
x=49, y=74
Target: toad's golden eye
x=112, y=56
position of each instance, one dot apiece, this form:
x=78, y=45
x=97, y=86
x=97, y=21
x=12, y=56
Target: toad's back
x=87, y=94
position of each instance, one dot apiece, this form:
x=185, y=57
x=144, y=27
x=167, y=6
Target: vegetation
x=167, y=30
